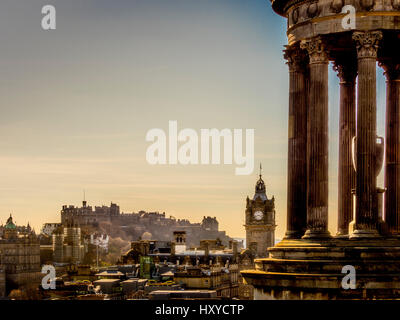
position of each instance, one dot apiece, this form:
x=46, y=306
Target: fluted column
x=366, y=219
x=297, y=144
x=392, y=159
x=317, y=140
x=347, y=72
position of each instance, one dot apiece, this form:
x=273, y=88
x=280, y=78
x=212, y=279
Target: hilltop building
x=142, y=225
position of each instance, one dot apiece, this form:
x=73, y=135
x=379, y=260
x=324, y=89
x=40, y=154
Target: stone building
x=210, y=223
x=260, y=221
x=308, y=263
x=224, y=280
x=49, y=228
x=2, y=281
x=19, y=257
x=110, y=220
x=178, y=252
x=68, y=245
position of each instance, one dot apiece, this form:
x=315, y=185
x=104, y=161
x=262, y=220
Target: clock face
x=258, y=215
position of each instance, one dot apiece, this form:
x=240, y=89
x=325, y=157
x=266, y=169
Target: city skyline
x=79, y=100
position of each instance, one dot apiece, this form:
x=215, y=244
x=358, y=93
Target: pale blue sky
x=77, y=103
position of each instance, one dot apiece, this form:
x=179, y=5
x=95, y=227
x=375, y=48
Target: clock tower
x=260, y=221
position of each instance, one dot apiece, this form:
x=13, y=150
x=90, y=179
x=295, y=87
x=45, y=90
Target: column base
x=394, y=236
x=342, y=235
x=315, y=234
x=362, y=234
x=293, y=235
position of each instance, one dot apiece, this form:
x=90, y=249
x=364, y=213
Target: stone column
x=317, y=140
x=347, y=72
x=392, y=159
x=366, y=219
x=297, y=144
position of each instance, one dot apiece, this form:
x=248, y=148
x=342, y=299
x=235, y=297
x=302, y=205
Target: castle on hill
x=141, y=225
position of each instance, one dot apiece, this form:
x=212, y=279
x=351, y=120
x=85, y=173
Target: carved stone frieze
x=301, y=11
x=367, y=4
x=313, y=10
x=295, y=15
x=337, y=6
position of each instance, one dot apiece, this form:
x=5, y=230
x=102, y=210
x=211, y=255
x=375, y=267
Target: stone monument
x=308, y=262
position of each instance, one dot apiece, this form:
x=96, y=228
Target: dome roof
x=147, y=236
x=260, y=191
x=10, y=224
x=278, y=6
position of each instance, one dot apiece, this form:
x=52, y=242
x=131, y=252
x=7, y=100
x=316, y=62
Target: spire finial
x=260, y=170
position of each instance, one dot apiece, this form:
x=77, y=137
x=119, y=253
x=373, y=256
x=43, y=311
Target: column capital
x=391, y=68
x=367, y=43
x=296, y=58
x=316, y=48
x=346, y=70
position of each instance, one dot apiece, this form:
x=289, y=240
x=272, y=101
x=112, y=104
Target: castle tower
x=76, y=244
x=210, y=223
x=260, y=220
x=72, y=246
x=180, y=237
x=58, y=245
x=179, y=241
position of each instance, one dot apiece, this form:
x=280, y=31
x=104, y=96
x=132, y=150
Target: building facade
x=19, y=258
x=2, y=281
x=49, y=228
x=68, y=245
x=224, y=280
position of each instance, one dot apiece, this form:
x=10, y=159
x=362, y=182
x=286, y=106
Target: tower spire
x=260, y=170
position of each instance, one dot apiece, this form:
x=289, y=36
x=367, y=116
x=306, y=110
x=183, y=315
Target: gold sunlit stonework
x=308, y=263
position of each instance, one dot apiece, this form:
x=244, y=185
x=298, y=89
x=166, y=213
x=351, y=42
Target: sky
x=77, y=102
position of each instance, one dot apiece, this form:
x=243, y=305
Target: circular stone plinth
x=301, y=269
